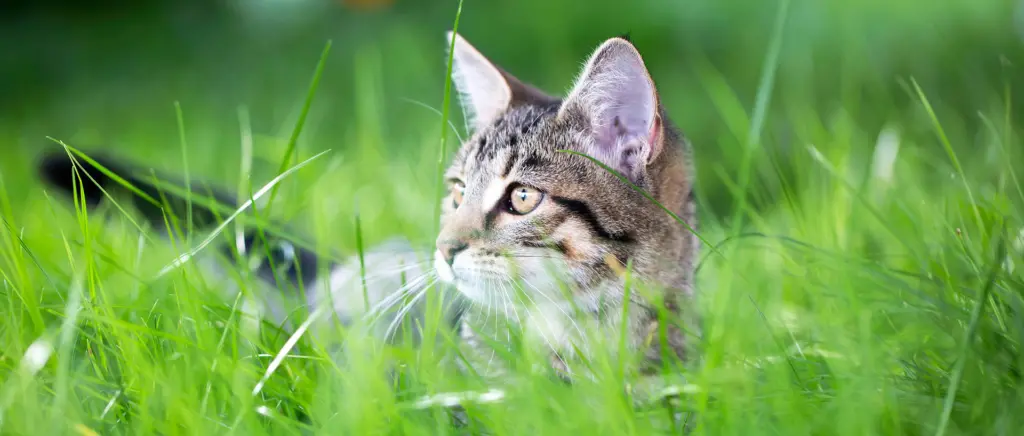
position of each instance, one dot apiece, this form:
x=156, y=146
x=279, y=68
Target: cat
x=534, y=236
x=517, y=198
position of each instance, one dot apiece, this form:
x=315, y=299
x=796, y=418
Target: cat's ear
x=616, y=96
x=485, y=90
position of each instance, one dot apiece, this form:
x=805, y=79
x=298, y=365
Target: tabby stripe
x=491, y=216
x=478, y=150
x=513, y=156
x=557, y=245
x=583, y=212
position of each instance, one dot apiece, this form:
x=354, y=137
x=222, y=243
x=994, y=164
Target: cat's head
x=519, y=207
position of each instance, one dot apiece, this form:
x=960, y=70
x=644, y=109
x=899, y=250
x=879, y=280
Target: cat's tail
x=155, y=196
x=163, y=200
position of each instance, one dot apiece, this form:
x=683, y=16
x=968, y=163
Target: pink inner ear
x=653, y=138
x=618, y=97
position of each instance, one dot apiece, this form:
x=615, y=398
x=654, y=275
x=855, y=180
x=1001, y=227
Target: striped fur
x=567, y=252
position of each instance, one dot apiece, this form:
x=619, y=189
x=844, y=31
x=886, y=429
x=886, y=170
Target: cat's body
x=532, y=236
x=291, y=281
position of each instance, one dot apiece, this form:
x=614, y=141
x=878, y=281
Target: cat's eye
x=524, y=199
x=458, y=190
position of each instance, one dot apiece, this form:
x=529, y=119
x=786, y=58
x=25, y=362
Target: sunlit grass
x=866, y=282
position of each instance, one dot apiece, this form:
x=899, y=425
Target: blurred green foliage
x=848, y=314
x=96, y=74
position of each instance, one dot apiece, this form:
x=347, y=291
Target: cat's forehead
x=522, y=135
x=515, y=129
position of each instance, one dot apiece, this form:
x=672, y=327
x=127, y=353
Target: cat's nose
x=449, y=248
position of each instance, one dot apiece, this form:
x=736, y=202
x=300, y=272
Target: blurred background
x=836, y=152
x=106, y=74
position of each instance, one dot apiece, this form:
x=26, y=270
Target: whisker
x=492, y=301
x=493, y=298
x=491, y=305
x=510, y=294
x=392, y=328
x=543, y=315
x=553, y=303
x=433, y=109
x=394, y=270
x=390, y=301
x=504, y=306
x=535, y=256
x=385, y=277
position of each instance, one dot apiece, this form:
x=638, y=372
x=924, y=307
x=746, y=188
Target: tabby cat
x=534, y=231
x=523, y=206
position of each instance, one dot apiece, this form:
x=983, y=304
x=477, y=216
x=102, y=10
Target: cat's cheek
x=444, y=271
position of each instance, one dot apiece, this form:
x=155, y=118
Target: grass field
x=867, y=220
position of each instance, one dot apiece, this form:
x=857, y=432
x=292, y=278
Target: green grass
x=843, y=295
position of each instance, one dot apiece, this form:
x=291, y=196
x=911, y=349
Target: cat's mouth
x=477, y=284
x=495, y=286
x=464, y=271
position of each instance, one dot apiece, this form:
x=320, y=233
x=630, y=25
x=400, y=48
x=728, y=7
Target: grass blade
x=952, y=154
x=220, y=228
x=442, y=153
x=294, y=139
x=972, y=328
x=764, y=93
x=189, y=227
